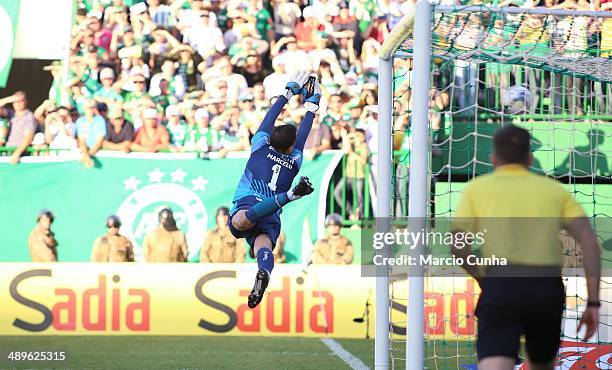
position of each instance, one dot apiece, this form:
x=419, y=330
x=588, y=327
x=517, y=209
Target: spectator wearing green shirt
x=107, y=93
x=177, y=128
x=202, y=137
x=334, y=110
x=137, y=97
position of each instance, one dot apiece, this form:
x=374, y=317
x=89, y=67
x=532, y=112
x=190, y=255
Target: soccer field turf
x=154, y=352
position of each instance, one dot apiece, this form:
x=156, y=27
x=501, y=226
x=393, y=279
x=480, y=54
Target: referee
x=521, y=215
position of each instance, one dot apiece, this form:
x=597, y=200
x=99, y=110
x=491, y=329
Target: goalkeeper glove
x=312, y=95
x=295, y=84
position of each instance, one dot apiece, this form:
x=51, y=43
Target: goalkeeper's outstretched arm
x=311, y=103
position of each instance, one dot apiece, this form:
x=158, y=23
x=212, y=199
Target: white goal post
x=418, y=25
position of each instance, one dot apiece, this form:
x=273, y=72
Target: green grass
x=156, y=352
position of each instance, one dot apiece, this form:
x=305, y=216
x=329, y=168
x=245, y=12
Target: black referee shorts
x=510, y=307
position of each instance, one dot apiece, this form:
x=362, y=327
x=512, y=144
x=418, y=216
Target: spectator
x=292, y=57
x=90, y=130
x=112, y=247
x=119, y=133
x=175, y=84
x=177, y=128
x=353, y=181
x=107, y=92
x=166, y=243
x=318, y=140
x=205, y=38
x=151, y=137
x=306, y=31
x=220, y=246
x=22, y=125
x=202, y=137
x=42, y=242
x=286, y=15
x=273, y=83
x=60, y=130
x=334, y=248
x=334, y=110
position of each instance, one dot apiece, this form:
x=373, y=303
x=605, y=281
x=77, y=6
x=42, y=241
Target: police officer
x=334, y=248
x=166, y=243
x=43, y=246
x=220, y=245
x=112, y=247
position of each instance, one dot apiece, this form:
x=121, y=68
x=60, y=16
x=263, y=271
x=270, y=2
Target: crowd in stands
x=198, y=76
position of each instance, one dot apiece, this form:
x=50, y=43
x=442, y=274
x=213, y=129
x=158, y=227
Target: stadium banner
x=133, y=186
x=206, y=299
x=9, y=13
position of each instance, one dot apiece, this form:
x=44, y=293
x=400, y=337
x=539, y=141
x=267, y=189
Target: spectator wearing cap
x=307, y=31
x=220, y=246
x=107, y=93
x=202, y=137
x=274, y=82
x=177, y=128
x=112, y=247
x=152, y=136
x=42, y=242
x=353, y=181
x=334, y=248
x=22, y=125
x=286, y=15
x=166, y=243
x=248, y=116
x=119, y=133
x=90, y=130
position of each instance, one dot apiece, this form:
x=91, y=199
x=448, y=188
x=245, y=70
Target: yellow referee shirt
x=520, y=214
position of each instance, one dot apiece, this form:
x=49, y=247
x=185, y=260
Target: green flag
x=9, y=11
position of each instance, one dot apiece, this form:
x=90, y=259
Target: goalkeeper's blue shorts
x=510, y=307
x=269, y=225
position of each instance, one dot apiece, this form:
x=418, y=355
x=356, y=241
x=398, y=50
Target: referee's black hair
x=512, y=144
x=283, y=137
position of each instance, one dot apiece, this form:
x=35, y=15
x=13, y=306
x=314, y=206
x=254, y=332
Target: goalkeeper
x=265, y=186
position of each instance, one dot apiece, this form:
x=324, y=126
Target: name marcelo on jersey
x=283, y=163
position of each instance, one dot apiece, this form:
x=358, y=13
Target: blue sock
x=267, y=207
x=265, y=259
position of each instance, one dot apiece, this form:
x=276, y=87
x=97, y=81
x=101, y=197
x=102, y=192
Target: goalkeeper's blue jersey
x=268, y=171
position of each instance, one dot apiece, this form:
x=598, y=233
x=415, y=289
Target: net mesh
x=550, y=74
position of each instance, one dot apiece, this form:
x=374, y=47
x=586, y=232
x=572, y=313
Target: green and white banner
x=9, y=13
x=133, y=187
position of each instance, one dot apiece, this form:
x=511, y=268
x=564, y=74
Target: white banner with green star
x=9, y=13
x=133, y=187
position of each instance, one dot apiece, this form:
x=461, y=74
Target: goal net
x=547, y=70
